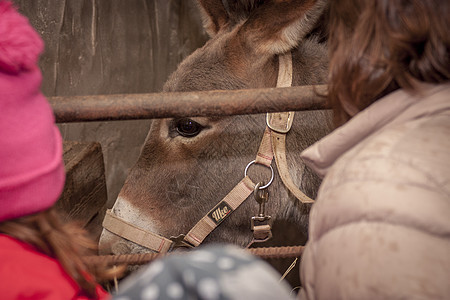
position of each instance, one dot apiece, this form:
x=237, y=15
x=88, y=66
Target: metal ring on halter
x=271, y=179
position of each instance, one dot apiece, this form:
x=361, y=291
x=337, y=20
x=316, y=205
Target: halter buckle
x=280, y=122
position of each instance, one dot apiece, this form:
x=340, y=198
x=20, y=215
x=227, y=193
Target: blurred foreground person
x=40, y=257
x=380, y=228
x=210, y=272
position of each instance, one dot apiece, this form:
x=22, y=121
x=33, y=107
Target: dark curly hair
x=378, y=46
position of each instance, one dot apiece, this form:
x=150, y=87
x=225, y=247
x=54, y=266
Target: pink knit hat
x=31, y=168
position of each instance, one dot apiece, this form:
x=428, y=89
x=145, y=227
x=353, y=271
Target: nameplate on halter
x=220, y=212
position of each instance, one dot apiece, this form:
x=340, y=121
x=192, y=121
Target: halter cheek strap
x=280, y=124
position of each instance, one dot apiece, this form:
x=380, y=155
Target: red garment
x=28, y=274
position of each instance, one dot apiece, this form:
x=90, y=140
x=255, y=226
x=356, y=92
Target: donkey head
x=187, y=165
x=246, y=39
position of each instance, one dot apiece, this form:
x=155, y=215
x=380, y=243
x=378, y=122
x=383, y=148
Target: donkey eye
x=188, y=127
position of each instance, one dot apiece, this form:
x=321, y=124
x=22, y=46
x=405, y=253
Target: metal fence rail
x=203, y=103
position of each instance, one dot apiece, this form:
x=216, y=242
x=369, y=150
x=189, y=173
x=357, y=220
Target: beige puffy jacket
x=380, y=228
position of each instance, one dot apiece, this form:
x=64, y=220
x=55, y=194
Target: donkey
x=188, y=164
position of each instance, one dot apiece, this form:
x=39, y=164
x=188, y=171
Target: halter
x=273, y=144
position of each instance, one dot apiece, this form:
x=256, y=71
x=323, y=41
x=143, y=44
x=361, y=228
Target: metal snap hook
x=271, y=179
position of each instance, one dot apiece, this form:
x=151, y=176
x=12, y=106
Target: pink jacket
x=380, y=228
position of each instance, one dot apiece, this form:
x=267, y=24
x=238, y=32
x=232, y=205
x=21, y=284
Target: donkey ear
x=214, y=15
x=277, y=26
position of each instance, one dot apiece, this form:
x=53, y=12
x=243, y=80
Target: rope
x=143, y=258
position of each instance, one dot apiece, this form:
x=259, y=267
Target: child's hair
x=66, y=242
x=378, y=46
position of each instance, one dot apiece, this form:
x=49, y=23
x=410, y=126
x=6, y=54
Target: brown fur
x=179, y=179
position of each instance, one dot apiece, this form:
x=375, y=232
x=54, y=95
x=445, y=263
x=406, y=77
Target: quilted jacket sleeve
x=380, y=228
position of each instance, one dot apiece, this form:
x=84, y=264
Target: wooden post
x=84, y=196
